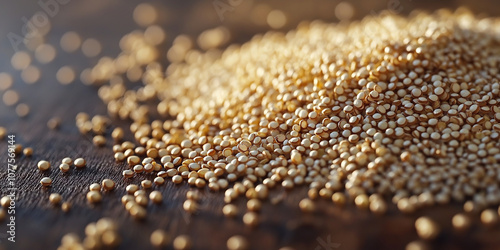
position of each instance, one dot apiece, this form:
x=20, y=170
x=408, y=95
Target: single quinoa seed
x=66, y=206
x=461, y=222
x=43, y=165
x=230, y=210
x=94, y=197
x=489, y=217
x=80, y=162
x=427, y=229
x=182, y=242
x=160, y=238
x=64, y=167
x=95, y=187
x=46, y=181
x=55, y=198
x=27, y=151
x=108, y=184
x=156, y=197
x=237, y=242
x=307, y=205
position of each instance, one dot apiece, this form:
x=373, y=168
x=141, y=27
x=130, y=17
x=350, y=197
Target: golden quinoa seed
x=127, y=198
x=132, y=188
x=339, y=198
x=5, y=201
x=64, y=167
x=55, y=198
x=190, y=206
x=237, y=242
x=251, y=219
x=43, y=165
x=117, y=134
x=193, y=195
x=307, y=205
x=417, y=245
x=99, y=140
x=254, y=205
x=27, y=151
x=177, y=179
x=230, y=210
x=489, y=217
x=46, y=181
x=128, y=173
x=461, y=222
x=66, y=206
x=95, y=187
x=94, y=197
x=142, y=200
x=146, y=184
x=108, y=184
x=159, y=181
x=427, y=229
x=3, y=132
x=182, y=242
x=138, y=212
x=67, y=160
x=160, y=238
x=133, y=160
x=80, y=162
x=378, y=206
x=54, y=123
x=156, y=197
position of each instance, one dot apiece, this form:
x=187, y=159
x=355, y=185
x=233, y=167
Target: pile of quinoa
x=404, y=107
x=393, y=108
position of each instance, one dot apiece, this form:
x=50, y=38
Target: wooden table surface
x=40, y=225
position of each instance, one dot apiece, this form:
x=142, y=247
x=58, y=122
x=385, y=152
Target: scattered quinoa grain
x=237, y=242
x=182, y=242
x=190, y=206
x=95, y=187
x=254, y=205
x=5, y=201
x=156, y=197
x=66, y=206
x=427, y=229
x=55, y=198
x=251, y=219
x=43, y=165
x=160, y=238
x=230, y=210
x=46, y=181
x=54, y=123
x=146, y=184
x=67, y=160
x=99, y=140
x=94, y=197
x=307, y=205
x=80, y=162
x=108, y=184
x=128, y=173
x=417, y=245
x=131, y=188
x=27, y=151
x=461, y=222
x=489, y=217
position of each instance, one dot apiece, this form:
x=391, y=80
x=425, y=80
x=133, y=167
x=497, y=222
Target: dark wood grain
x=40, y=225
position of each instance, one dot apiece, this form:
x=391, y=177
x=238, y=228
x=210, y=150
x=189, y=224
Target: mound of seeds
x=388, y=106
